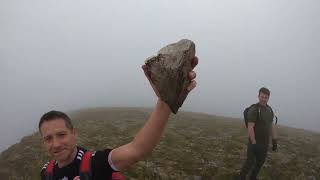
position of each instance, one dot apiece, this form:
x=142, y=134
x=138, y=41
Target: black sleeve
x=100, y=165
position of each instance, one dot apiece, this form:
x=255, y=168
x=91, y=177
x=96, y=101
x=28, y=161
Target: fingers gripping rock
x=169, y=72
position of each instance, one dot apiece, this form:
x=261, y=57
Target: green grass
x=194, y=146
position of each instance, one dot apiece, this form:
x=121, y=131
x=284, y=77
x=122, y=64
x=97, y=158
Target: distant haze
x=67, y=55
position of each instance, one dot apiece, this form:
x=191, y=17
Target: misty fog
x=68, y=55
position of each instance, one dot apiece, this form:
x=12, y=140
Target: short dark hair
x=264, y=90
x=53, y=115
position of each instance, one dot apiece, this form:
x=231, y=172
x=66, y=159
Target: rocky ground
x=195, y=146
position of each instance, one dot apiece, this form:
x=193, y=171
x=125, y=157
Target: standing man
x=60, y=139
x=260, y=128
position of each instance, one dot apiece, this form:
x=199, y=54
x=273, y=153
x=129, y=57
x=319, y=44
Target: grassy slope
x=194, y=146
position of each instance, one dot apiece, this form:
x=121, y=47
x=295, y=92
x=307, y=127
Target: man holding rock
x=60, y=137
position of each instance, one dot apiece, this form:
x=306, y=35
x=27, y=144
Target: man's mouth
x=58, y=152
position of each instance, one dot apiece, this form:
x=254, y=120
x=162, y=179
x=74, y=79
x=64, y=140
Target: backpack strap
x=270, y=109
x=117, y=176
x=85, y=166
x=49, y=170
x=273, y=114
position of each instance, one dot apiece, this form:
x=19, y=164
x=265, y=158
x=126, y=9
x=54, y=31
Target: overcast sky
x=67, y=55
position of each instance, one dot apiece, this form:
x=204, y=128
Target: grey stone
x=169, y=72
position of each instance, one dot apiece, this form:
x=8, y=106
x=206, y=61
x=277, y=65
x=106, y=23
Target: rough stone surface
x=169, y=72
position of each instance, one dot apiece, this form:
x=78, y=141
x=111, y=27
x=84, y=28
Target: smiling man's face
x=59, y=141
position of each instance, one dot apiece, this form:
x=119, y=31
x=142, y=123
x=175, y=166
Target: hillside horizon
x=206, y=147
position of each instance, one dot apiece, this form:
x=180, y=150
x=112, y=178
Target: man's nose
x=55, y=143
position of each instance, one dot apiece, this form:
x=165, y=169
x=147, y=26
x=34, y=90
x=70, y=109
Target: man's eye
x=47, y=139
x=61, y=135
